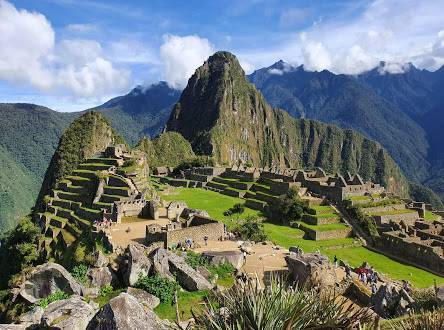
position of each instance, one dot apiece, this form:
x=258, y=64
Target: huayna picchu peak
x=224, y=116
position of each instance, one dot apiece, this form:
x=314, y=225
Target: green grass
x=187, y=301
x=322, y=209
x=387, y=266
x=393, y=212
x=355, y=255
x=326, y=227
x=212, y=202
x=103, y=299
x=325, y=215
x=429, y=216
x=359, y=198
x=287, y=236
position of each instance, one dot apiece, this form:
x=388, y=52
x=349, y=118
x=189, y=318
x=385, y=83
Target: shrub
x=161, y=287
x=106, y=290
x=251, y=229
x=288, y=208
x=236, y=209
x=248, y=306
x=56, y=296
x=366, y=222
x=195, y=259
x=423, y=321
x=79, y=273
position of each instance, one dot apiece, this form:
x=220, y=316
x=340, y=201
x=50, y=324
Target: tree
x=19, y=249
x=251, y=229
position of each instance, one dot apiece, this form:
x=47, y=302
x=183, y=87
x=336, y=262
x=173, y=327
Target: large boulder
x=170, y=265
x=70, y=314
x=160, y=263
x=32, y=317
x=125, y=312
x=391, y=301
x=47, y=279
x=138, y=264
x=100, y=260
x=146, y=299
x=100, y=277
x=186, y=276
x=235, y=258
x=313, y=269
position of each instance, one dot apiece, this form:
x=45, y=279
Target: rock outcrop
x=68, y=314
x=146, y=299
x=170, y=265
x=235, y=258
x=100, y=277
x=46, y=279
x=313, y=269
x=390, y=301
x=138, y=264
x=125, y=312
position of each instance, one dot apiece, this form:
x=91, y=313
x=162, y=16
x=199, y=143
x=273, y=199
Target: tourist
x=335, y=260
x=206, y=240
x=348, y=274
x=374, y=288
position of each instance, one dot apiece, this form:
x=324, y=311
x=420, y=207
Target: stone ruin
x=193, y=225
x=334, y=187
x=421, y=243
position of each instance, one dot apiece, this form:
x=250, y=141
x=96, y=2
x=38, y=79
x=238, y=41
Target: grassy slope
x=285, y=236
x=212, y=202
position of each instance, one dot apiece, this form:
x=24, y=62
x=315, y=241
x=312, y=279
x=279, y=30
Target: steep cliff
x=223, y=115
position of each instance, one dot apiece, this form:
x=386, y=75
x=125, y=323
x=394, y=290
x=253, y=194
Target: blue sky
x=74, y=54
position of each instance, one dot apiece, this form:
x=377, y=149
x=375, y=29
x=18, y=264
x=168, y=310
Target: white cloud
x=394, y=31
x=181, y=56
x=30, y=54
x=316, y=56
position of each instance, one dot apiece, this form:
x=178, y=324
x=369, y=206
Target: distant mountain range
x=404, y=112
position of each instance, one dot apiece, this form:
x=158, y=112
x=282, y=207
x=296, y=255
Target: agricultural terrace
x=347, y=249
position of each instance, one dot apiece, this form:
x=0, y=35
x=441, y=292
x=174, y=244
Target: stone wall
x=407, y=218
x=138, y=207
x=319, y=220
x=214, y=231
x=324, y=235
x=413, y=250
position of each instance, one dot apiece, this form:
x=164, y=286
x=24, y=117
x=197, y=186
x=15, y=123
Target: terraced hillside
x=80, y=199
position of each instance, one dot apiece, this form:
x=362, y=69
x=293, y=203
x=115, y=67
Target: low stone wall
x=239, y=185
x=313, y=220
x=255, y=205
x=214, y=231
x=383, y=208
x=281, y=188
x=324, y=235
x=178, y=183
x=408, y=218
x=233, y=193
x=130, y=208
x=426, y=256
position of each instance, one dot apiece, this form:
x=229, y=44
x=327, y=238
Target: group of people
x=102, y=224
x=368, y=276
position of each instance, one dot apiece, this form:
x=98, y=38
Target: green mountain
x=18, y=189
x=29, y=135
x=344, y=101
x=169, y=148
x=142, y=112
x=28, y=139
x=223, y=115
x=85, y=136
